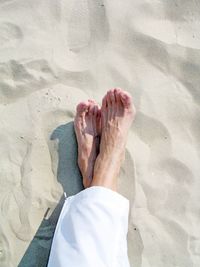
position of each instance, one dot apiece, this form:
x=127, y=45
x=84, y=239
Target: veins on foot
x=117, y=115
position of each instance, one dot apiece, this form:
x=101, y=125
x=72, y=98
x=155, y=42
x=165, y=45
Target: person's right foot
x=117, y=114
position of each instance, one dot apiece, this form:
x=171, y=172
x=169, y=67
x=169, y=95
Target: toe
x=110, y=105
x=104, y=102
x=112, y=97
x=118, y=98
x=109, y=102
x=91, y=109
x=117, y=94
x=94, y=118
x=97, y=112
x=98, y=120
x=126, y=99
x=81, y=108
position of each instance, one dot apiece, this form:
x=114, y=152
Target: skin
x=100, y=163
x=87, y=125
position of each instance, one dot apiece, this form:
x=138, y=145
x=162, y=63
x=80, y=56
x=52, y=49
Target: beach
x=54, y=54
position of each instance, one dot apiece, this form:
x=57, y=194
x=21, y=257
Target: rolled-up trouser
x=92, y=230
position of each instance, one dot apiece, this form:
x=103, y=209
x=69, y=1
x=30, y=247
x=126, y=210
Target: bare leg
x=97, y=214
x=87, y=127
x=117, y=114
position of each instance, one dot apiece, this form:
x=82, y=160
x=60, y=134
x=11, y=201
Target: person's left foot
x=87, y=125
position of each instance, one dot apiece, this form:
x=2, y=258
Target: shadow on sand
x=69, y=177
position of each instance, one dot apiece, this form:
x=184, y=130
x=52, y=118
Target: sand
x=54, y=54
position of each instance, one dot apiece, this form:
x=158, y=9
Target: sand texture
x=55, y=53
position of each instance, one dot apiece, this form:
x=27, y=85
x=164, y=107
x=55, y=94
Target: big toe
x=82, y=108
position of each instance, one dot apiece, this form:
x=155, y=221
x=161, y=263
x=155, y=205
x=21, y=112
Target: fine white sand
x=54, y=54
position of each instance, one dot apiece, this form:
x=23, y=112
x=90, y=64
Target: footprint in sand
x=194, y=246
x=127, y=178
x=154, y=134
x=83, y=22
x=4, y=250
x=19, y=79
x=17, y=197
x=10, y=35
x=127, y=188
x=4, y=2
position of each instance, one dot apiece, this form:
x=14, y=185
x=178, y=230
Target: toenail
x=124, y=96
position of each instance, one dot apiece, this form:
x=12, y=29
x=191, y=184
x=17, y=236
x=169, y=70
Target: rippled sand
x=54, y=54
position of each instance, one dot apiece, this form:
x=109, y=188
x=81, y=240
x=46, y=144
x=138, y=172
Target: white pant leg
x=92, y=230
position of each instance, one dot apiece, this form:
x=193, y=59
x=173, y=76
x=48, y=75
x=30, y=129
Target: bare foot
x=87, y=125
x=117, y=114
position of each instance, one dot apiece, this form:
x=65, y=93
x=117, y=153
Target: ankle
x=104, y=183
